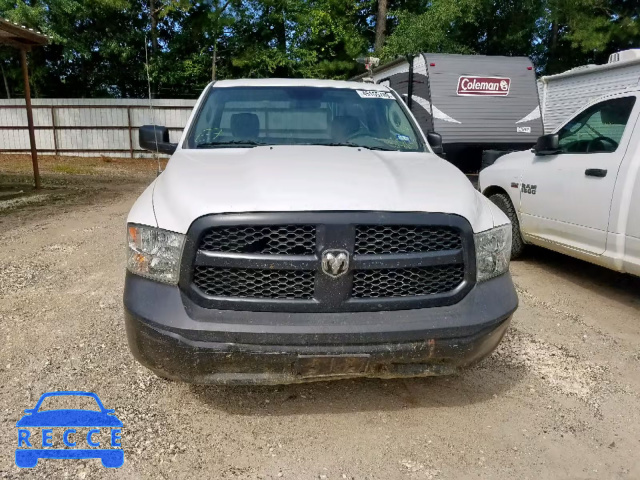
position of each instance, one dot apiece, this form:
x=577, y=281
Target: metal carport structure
x=24, y=39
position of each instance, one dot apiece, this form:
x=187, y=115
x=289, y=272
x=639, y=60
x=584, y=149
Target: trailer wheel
x=503, y=202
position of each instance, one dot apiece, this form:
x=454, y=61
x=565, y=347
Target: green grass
x=71, y=169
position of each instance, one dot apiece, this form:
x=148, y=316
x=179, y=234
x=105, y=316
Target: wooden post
x=54, y=125
x=6, y=84
x=32, y=133
x=130, y=131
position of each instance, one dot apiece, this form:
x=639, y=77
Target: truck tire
x=503, y=202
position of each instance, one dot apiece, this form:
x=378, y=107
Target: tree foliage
x=100, y=47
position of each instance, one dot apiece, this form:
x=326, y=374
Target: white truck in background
x=578, y=190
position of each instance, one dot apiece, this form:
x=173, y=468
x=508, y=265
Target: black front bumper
x=180, y=340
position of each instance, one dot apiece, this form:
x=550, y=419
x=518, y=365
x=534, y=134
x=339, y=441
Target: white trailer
x=563, y=94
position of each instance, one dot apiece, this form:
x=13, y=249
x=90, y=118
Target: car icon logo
x=69, y=433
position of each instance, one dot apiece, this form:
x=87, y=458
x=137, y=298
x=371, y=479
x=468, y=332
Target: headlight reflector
x=154, y=253
x=493, y=252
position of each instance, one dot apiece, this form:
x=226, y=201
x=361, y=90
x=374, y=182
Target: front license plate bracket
x=331, y=365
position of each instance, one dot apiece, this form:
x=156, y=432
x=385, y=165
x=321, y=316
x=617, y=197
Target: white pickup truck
x=305, y=230
x=578, y=191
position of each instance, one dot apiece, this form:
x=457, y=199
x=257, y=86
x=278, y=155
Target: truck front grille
x=406, y=282
x=273, y=262
x=266, y=239
x=385, y=239
x=253, y=283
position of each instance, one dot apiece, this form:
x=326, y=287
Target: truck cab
x=578, y=190
x=305, y=230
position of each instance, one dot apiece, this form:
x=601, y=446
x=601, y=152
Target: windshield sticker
x=403, y=138
x=375, y=94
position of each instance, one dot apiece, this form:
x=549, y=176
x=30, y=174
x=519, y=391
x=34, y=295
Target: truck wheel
x=503, y=202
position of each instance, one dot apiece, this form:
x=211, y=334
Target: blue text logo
x=69, y=433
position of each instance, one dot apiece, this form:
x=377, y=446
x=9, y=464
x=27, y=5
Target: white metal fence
x=88, y=127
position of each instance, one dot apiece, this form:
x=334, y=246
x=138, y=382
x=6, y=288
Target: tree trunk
x=214, y=60
x=381, y=24
x=280, y=27
x=553, y=41
x=219, y=11
x=154, y=27
x=6, y=83
x=552, y=48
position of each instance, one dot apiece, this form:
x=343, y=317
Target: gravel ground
x=558, y=399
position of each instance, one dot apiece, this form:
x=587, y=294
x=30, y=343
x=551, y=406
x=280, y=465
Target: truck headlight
x=493, y=252
x=154, y=253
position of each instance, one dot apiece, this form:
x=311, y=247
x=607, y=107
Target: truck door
x=566, y=198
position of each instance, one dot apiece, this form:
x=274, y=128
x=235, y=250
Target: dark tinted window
x=597, y=129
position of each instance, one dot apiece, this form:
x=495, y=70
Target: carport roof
x=20, y=37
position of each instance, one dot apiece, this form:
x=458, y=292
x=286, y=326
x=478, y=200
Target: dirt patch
x=16, y=276
x=555, y=366
x=65, y=165
x=66, y=182
x=23, y=201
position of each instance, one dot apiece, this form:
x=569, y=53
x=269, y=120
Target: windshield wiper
x=351, y=144
x=231, y=144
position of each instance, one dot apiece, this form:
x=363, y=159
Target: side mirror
x=156, y=139
x=547, y=145
x=435, y=140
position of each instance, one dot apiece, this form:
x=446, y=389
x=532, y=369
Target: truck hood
x=311, y=178
x=519, y=159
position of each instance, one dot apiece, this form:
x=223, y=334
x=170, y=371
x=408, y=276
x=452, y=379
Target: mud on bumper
x=180, y=341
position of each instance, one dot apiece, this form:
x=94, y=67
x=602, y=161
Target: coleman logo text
x=484, y=86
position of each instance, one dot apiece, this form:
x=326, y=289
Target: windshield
x=250, y=116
